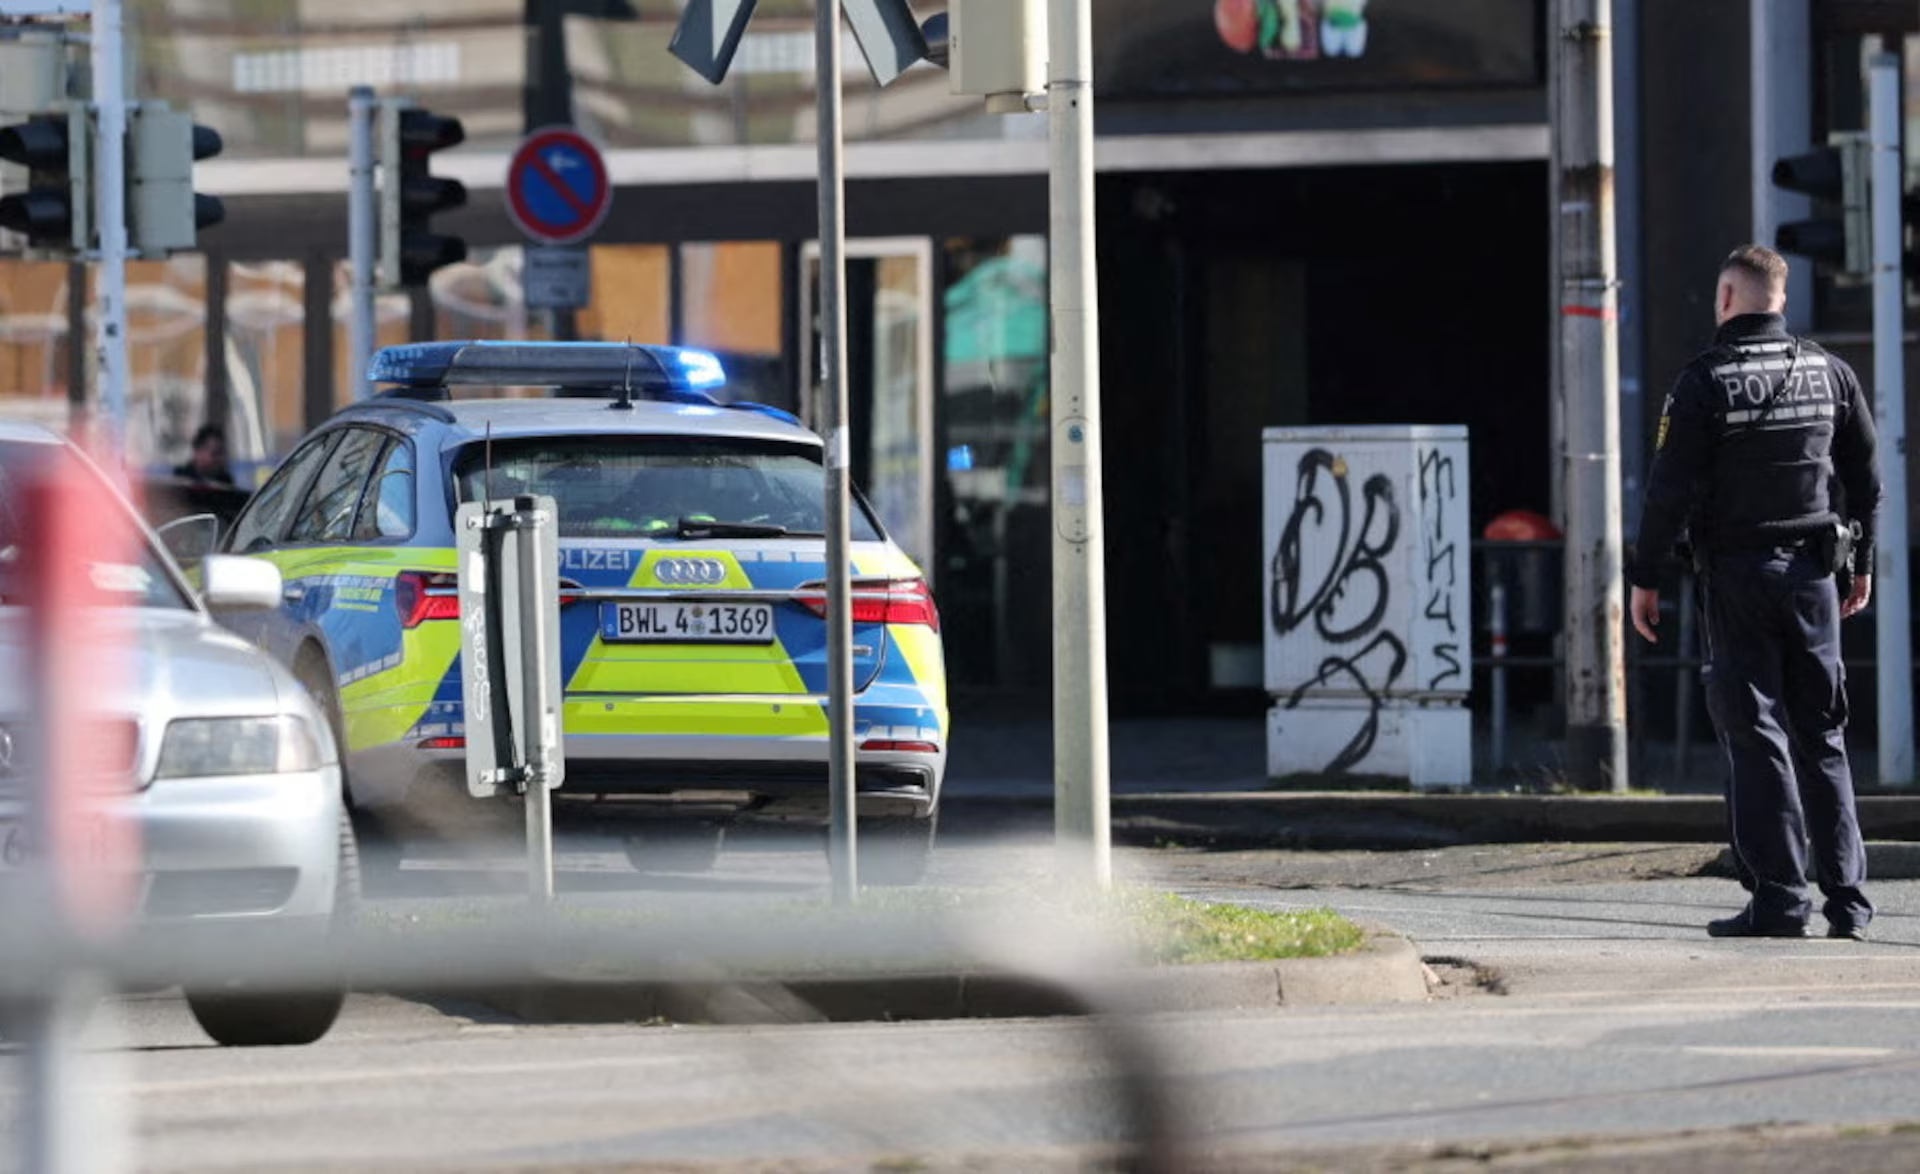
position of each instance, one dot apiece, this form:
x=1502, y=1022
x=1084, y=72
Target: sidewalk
x=1198, y=780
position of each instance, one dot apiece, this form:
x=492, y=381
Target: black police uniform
x=1751, y=441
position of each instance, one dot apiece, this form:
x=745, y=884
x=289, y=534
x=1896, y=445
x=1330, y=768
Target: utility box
x=1368, y=657
x=997, y=49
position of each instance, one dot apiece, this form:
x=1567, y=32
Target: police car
x=692, y=588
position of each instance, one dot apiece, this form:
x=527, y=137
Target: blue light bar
x=422, y=364
x=698, y=368
x=584, y=366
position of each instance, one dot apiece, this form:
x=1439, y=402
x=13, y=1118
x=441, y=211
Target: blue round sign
x=557, y=186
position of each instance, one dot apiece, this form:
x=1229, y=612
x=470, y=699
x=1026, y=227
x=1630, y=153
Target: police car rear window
x=661, y=487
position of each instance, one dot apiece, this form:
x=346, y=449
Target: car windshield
x=662, y=487
x=141, y=581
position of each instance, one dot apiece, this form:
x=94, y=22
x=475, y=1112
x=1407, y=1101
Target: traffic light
x=164, y=213
x=1837, y=178
x=410, y=194
x=56, y=150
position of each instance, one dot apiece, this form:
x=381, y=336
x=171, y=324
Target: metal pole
x=110, y=219
x=841, y=856
x=1079, y=545
x=536, y=706
x=361, y=111
x=1497, y=648
x=1590, y=394
x=1893, y=655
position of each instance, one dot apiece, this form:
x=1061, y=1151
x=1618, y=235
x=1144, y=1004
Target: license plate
x=687, y=623
x=17, y=848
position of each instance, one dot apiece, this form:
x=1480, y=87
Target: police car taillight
x=909, y=747
x=426, y=595
x=893, y=601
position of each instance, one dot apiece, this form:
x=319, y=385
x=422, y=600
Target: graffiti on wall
x=1329, y=570
x=1368, y=593
x=1436, y=628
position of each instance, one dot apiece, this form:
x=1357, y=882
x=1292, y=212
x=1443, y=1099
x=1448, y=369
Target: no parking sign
x=557, y=186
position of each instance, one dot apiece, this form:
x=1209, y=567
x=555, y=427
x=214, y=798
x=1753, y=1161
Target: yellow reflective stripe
x=382, y=707
x=926, y=660
x=686, y=668
x=696, y=716
x=888, y=562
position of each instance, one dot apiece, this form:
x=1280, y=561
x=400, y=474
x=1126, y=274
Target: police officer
x=1750, y=441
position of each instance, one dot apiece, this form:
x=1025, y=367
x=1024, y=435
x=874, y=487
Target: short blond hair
x=1761, y=264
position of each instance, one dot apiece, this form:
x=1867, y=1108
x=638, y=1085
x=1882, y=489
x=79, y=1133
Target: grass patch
x=1155, y=927
x=1173, y=930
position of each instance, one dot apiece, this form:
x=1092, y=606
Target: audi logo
x=690, y=572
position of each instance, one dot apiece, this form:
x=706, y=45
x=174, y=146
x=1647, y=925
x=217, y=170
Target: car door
x=260, y=529
x=314, y=554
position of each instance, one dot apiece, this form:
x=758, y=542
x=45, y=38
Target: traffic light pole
x=842, y=856
x=110, y=215
x=362, y=110
x=1893, y=655
x=1589, y=394
x=1080, y=779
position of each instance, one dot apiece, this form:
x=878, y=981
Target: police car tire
x=310, y=669
x=895, y=850
x=236, y=1017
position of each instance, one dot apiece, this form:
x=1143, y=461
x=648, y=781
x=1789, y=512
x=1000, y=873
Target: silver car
x=232, y=790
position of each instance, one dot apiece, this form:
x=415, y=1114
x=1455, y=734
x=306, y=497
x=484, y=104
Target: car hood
x=177, y=663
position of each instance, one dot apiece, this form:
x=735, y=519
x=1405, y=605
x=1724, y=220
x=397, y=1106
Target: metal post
x=1079, y=546
x=1590, y=397
x=362, y=109
x=110, y=219
x=1497, y=649
x=1893, y=655
x=841, y=855
x=536, y=706
x=1683, y=684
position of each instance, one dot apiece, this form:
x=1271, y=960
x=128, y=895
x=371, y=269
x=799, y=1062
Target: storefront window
x=266, y=348
x=166, y=358
x=630, y=295
x=392, y=326
x=731, y=298
x=33, y=341
x=995, y=418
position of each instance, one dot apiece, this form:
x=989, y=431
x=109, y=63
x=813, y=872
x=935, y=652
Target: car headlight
x=199, y=747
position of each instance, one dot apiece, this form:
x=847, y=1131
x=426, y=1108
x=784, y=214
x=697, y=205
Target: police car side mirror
x=236, y=583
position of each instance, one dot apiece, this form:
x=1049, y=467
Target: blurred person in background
x=208, y=464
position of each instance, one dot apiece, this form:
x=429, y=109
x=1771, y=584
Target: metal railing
x=1497, y=564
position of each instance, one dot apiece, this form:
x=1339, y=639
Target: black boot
x=1743, y=925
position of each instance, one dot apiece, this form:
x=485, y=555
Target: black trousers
x=1778, y=697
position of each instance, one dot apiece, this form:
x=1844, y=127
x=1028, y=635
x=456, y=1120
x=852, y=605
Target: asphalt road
x=1626, y=1038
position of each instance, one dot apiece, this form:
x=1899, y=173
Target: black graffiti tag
x=1384, y=654
x=1328, y=566
x=1345, y=560
x=1436, y=485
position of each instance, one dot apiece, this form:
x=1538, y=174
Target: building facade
x=1309, y=211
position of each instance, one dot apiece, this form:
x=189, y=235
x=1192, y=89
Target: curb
x=1387, y=969
x=1387, y=820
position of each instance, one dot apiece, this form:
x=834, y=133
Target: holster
x=1833, y=547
